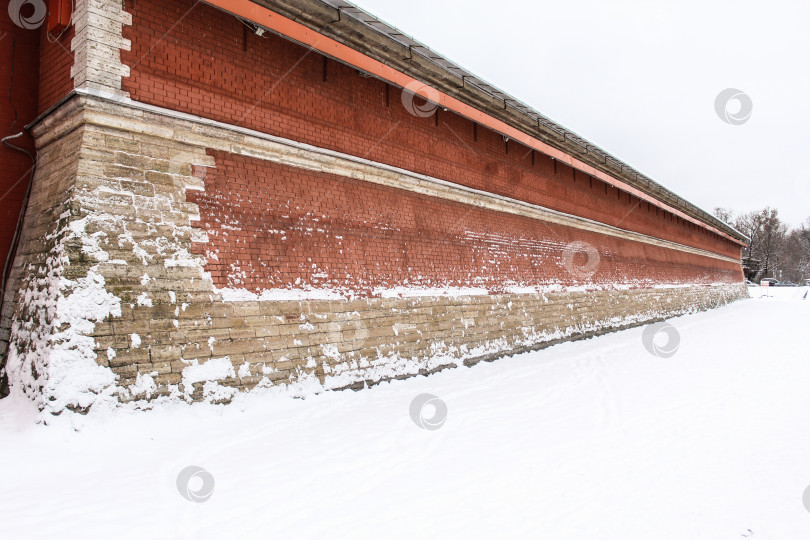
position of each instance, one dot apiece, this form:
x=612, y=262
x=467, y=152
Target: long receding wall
x=177, y=247
x=167, y=257
x=278, y=87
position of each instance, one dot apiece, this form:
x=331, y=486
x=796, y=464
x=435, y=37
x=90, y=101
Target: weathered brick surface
x=55, y=64
x=131, y=198
x=272, y=225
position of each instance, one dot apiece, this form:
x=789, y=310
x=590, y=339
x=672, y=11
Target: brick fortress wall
x=174, y=257
x=121, y=297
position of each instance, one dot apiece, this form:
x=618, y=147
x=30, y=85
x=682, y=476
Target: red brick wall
x=15, y=170
x=56, y=59
x=271, y=225
x=207, y=65
x=41, y=77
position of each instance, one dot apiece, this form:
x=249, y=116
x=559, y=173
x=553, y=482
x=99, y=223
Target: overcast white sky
x=640, y=79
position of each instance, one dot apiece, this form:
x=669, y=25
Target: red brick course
x=272, y=225
x=56, y=59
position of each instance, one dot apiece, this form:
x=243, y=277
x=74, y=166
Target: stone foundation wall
x=111, y=300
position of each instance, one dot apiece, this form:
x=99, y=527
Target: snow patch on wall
x=210, y=373
x=51, y=355
x=271, y=295
x=52, y=358
x=407, y=292
x=234, y=294
x=144, y=386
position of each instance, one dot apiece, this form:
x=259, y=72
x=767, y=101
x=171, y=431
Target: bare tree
x=766, y=234
x=772, y=238
x=749, y=225
x=796, y=253
x=724, y=214
x=773, y=250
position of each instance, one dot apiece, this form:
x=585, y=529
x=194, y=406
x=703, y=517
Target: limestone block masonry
x=113, y=299
x=97, y=46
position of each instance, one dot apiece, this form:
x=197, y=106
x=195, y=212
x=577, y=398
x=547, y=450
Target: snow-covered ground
x=599, y=439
